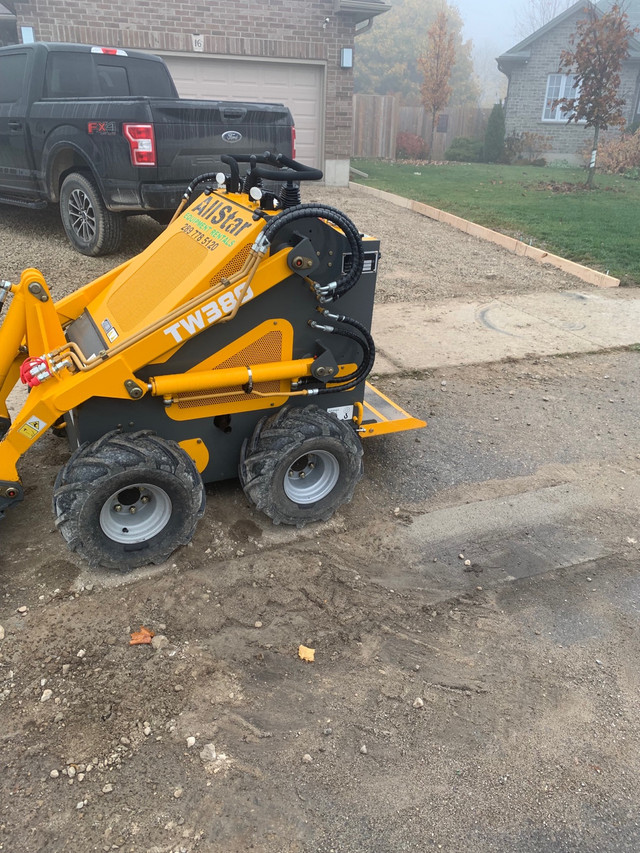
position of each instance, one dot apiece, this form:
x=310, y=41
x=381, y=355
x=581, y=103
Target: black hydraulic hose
x=364, y=368
x=336, y=289
x=367, y=365
x=361, y=371
x=208, y=176
x=371, y=347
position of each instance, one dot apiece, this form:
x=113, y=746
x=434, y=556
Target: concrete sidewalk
x=413, y=337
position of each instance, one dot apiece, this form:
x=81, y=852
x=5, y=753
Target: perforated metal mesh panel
x=266, y=349
x=235, y=265
x=154, y=281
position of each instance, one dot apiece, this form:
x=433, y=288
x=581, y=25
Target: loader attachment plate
x=382, y=416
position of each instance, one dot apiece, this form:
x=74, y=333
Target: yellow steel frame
x=34, y=327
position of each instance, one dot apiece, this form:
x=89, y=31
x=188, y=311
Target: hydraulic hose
x=186, y=195
x=366, y=334
x=364, y=340
x=338, y=288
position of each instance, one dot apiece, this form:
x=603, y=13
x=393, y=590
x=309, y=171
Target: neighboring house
x=294, y=51
x=532, y=67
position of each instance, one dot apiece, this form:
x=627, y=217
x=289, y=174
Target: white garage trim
x=301, y=85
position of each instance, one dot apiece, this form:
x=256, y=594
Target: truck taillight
x=142, y=144
x=293, y=143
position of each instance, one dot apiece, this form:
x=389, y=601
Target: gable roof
x=631, y=7
x=521, y=52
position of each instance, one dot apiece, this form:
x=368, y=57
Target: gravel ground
x=446, y=708
x=421, y=259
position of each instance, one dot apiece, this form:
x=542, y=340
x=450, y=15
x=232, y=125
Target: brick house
x=294, y=51
x=532, y=67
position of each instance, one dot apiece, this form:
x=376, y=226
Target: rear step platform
x=382, y=416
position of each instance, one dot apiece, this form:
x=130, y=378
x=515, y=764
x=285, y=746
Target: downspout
x=365, y=29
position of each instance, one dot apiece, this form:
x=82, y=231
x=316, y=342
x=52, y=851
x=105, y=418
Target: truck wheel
x=128, y=500
x=300, y=465
x=91, y=228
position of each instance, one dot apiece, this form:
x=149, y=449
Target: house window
x=558, y=86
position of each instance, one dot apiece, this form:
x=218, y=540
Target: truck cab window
x=12, y=68
x=68, y=75
x=113, y=82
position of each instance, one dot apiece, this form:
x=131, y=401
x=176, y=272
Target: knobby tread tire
x=278, y=441
x=114, y=462
x=108, y=234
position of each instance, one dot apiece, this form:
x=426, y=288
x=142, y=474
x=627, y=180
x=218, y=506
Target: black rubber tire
x=282, y=445
x=133, y=464
x=162, y=217
x=91, y=228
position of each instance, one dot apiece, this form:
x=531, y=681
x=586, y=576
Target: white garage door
x=299, y=86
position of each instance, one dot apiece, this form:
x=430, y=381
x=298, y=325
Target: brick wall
x=284, y=29
x=527, y=91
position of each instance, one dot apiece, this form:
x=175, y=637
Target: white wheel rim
x=135, y=513
x=311, y=477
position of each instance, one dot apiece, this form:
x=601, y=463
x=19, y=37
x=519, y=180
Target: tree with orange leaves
x=436, y=65
x=599, y=46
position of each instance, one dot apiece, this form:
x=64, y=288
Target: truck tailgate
x=188, y=132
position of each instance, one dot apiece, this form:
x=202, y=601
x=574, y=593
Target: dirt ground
x=473, y=611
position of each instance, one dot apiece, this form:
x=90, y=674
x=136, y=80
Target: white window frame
x=558, y=86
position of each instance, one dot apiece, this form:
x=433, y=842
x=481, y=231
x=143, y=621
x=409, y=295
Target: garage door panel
x=298, y=86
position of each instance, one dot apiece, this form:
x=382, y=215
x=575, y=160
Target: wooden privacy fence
x=377, y=120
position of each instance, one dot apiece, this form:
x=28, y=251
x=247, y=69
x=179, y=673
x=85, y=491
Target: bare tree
x=534, y=14
x=436, y=65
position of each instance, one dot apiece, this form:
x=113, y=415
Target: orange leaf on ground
x=142, y=636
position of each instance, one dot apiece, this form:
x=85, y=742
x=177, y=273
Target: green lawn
x=546, y=207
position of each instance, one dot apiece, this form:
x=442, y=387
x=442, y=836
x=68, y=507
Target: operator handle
x=295, y=171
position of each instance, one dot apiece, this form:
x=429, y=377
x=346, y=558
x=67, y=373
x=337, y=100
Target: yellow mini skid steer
x=237, y=344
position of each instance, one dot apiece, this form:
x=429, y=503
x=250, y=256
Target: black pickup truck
x=102, y=132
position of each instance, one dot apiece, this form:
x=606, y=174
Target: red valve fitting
x=33, y=371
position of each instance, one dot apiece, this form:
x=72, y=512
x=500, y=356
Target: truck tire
x=128, y=500
x=300, y=465
x=91, y=228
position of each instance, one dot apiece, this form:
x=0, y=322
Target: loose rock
x=208, y=752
